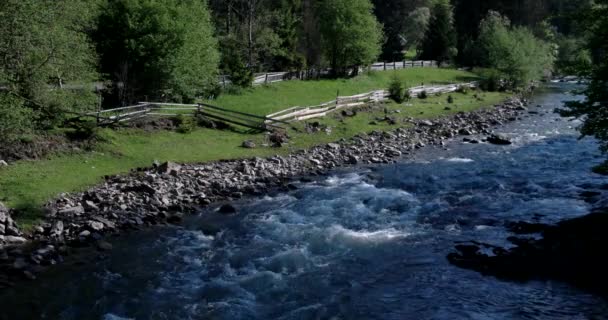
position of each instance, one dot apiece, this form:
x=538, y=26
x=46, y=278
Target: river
x=364, y=243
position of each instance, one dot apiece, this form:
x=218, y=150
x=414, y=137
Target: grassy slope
x=29, y=184
x=279, y=96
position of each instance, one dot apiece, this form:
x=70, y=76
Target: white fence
x=272, y=77
x=305, y=113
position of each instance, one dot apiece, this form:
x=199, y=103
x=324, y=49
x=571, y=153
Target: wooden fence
x=304, y=113
x=272, y=77
x=161, y=109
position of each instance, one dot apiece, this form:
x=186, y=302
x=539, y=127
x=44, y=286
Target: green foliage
x=81, y=129
x=594, y=109
x=440, y=39
x=417, y=24
x=515, y=52
x=463, y=89
x=491, y=80
x=157, y=49
x=351, y=35
x=14, y=117
x=398, y=90
x=43, y=49
x=450, y=99
x=233, y=64
x=573, y=57
x=184, y=124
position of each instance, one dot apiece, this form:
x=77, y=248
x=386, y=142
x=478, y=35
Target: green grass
x=27, y=185
x=279, y=96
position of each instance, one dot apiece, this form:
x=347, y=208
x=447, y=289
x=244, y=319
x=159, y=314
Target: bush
x=184, y=124
x=463, y=89
x=492, y=81
x=81, y=129
x=450, y=99
x=158, y=49
x=397, y=90
x=15, y=118
x=423, y=94
x=514, y=52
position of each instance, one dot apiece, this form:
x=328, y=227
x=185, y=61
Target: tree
x=440, y=39
x=594, y=109
x=515, y=52
x=43, y=47
x=157, y=49
x=351, y=36
x=417, y=23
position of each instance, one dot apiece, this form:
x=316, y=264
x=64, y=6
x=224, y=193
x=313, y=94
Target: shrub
x=450, y=99
x=397, y=91
x=184, y=124
x=159, y=49
x=15, y=118
x=423, y=94
x=514, y=52
x=492, y=81
x=463, y=89
x=81, y=130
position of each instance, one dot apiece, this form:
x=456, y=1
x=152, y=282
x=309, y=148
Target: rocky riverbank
x=165, y=192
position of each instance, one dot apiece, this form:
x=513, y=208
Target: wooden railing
x=162, y=109
x=272, y=77
x=304, y=113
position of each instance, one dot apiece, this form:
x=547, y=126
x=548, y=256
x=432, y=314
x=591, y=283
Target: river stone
x=73, y=211
x=57, y=229
x=15, y=240
x=84, y=234
x=227, y=209
x=169, y=168
x=95, y=225
x=19, y=264
x=3, y=163
x=499, y=140
x=104, y=245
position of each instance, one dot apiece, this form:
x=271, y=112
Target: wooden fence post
x=384, y=65
x=266, y=79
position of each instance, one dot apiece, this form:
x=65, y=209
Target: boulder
x=248, y=144
x=499, y=140
x=3, y=163
x=227, y=209
x=72, y=211
x=169, y=168
x=104, y=245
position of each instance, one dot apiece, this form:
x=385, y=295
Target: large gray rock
x=248, y=144
x=499, y=140
x=3, y=163
x=73, y=211
x=169, y=168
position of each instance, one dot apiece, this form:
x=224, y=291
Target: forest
x=61, y=57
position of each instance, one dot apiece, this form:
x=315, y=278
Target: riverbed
x=360, y=243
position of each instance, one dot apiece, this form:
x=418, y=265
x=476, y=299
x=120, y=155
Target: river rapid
x=363, y=243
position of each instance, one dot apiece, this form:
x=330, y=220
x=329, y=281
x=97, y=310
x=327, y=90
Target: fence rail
x=304, y=113
x=272, y=77
x=142, y=110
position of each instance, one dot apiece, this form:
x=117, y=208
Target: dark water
x=363, y=244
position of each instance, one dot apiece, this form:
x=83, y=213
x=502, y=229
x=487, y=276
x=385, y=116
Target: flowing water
x=367, y=243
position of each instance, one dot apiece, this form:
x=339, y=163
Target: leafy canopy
x=157, y=49
x=594, y=109
x=351, y=35
x=515, y=52
x=440, y=38
x=44, y=54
